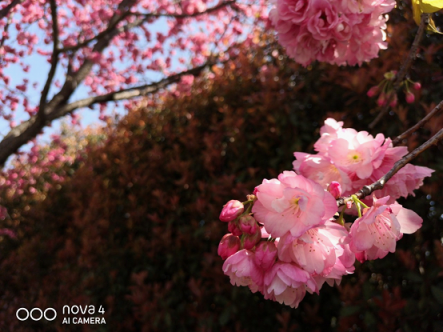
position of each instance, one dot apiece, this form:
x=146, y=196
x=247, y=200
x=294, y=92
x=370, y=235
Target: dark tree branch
x=5, y=31
x=403, y=69
x=99, y=36
x=130, y=93
x=418, y=125
x=54, y=62
x=367, y=190
x=140, y=21
x=5, y=11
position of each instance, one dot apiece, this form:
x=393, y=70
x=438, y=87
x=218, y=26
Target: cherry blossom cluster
x=152, y=40
x=338, y=32
x=290, y=237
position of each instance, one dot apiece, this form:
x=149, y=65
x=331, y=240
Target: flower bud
x=381, y=101
x=265, y=254
x=417, y=86
x=372, y=91
x=335, y=189
x=410, y=98
x=228, y=246
x=233, y=228
x=231, y=210
x=247, y=224
x=348, y=204
x=394, y=101
x=251, y=240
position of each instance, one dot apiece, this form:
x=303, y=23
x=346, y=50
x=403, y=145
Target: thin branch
x=5, y=31
x=133, y=92
x=100, y=35
x=181, y=16
x=418, y=125
x=367, y=190
x=5, y=11
x=140, y=21
x=54, y=62
x=403, y=69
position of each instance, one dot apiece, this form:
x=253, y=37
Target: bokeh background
x=128, y=217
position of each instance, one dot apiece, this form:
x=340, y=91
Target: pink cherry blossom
x=265, y=255
x=358, y=156
x=376, y=233
x=338, y=32
x=322, y=170
x=287, y=284
x=292, y=203
x=243, y=271
x=317, y=250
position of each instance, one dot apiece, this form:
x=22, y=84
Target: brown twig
x=418, y=125
x=403, y=69
x=5, y=11
x=133, y=92
x=367, y=190
x=54, y=62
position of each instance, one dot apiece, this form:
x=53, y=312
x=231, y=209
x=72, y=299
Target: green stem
x=357, y=204
x=340, y=219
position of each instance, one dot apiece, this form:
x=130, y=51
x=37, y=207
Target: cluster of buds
x=386, y=92
x=290, y=238
x=244, y=231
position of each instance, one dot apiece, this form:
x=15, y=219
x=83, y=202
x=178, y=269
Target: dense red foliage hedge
x=135, y=228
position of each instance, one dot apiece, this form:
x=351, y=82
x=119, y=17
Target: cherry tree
x=117, y=50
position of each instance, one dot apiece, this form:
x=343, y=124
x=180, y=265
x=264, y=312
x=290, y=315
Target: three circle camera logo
x=36, y=314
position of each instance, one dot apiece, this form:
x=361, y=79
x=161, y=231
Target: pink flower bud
x=372, y=91
x=228, y=246
x=335, y=189
x=349, y=204
x=381, y=100
x=251, y=240
x=233, y=228
x=265, y=255
x=231, y=210
x=410, y=98
x=248, y=225
x=394, y=101
x=417, y=86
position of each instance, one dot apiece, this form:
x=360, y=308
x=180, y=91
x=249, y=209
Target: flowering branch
x=404, y=68
x=5, y=11
x=181, y=16
x=418, y=125
x=367, y=190
x=54, y=62
x=139, y=22
x=130, y=93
